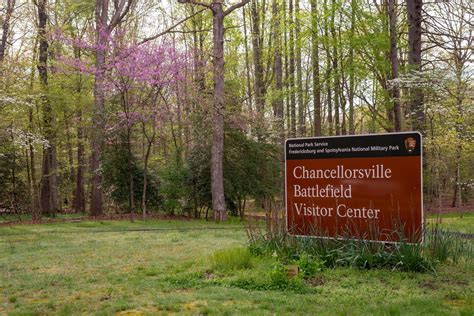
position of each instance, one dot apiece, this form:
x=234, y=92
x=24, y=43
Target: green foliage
x=444, y=246
x=309, y=265
x=274, y=278
x=231, y=259
x=251, y=169
x=116, y=178
x=198, y=179
x=13, y=190
x=173, y=175
x=313, y=254
x=278, y=275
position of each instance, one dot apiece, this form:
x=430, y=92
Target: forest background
x=182, y=107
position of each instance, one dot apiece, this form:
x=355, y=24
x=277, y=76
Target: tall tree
x=291, y=68
x=414, y=11
x=6, y=18
x=315, y=66
x=48, y=194
x=328, y=68
x=104, y=28
x=395, y=90
x=299, y=71
x=352, y=68
x=335, y=67
x=258, y=13
x=217, y=170
x=277, y=102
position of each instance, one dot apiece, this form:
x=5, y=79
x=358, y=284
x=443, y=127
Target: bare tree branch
x=235, y=6
x=206, y=5
x=170, y=28
x=120, y=13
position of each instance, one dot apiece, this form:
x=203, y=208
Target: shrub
x=250, y=170
x=116, y=178
x=173, y=175
x=309, y=265
x=278, y=275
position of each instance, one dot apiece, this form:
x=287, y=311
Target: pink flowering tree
x=146, y=81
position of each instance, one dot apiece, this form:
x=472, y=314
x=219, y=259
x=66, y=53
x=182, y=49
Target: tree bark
x=299, y=72
x=217, y=154
x=35, y=204
x=98, y=117
x=395, y=91
x=291, y=78
x=6, y=30
x=315, y=66
x=352, y=70
x=328, y=69
x=335, y=67
x=247, y=64
x=79, y=192
x=259, y=86
x=48, y=195
x=278, y=105
x=414, y=10
x=150, y=141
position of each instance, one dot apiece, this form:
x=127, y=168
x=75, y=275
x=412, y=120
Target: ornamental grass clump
x=438, y=247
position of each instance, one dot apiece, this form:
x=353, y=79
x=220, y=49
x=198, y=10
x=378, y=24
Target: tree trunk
x=98, y=117
x=131, y=191
x=414, y=10
x=150, y=141
x=328, y=68
x=80, y=196
x=6, y=30
x=259, y=86
x=79, y=192
x=352, y=70
x=217, y=172
x=35, y=206
x=299, y=72
x=278, y=106
x=72, y=173
x=48, y=181
x=315, y=66
x=395, y=91
x=286, y=80
x=291, y=78
x=457, y=196
x=247, y=64
x=335, y=67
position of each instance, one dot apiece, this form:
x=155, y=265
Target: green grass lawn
x=453, y=222
x=101, y=268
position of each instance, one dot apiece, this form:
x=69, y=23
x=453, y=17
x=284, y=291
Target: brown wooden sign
x=365, y=187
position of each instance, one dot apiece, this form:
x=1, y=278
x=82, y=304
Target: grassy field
x=162, y=267
x=454, y=222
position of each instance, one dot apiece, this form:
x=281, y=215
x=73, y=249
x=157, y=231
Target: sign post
x=363, y=187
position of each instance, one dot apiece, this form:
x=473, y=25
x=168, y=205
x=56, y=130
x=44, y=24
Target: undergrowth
x=439, y=247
